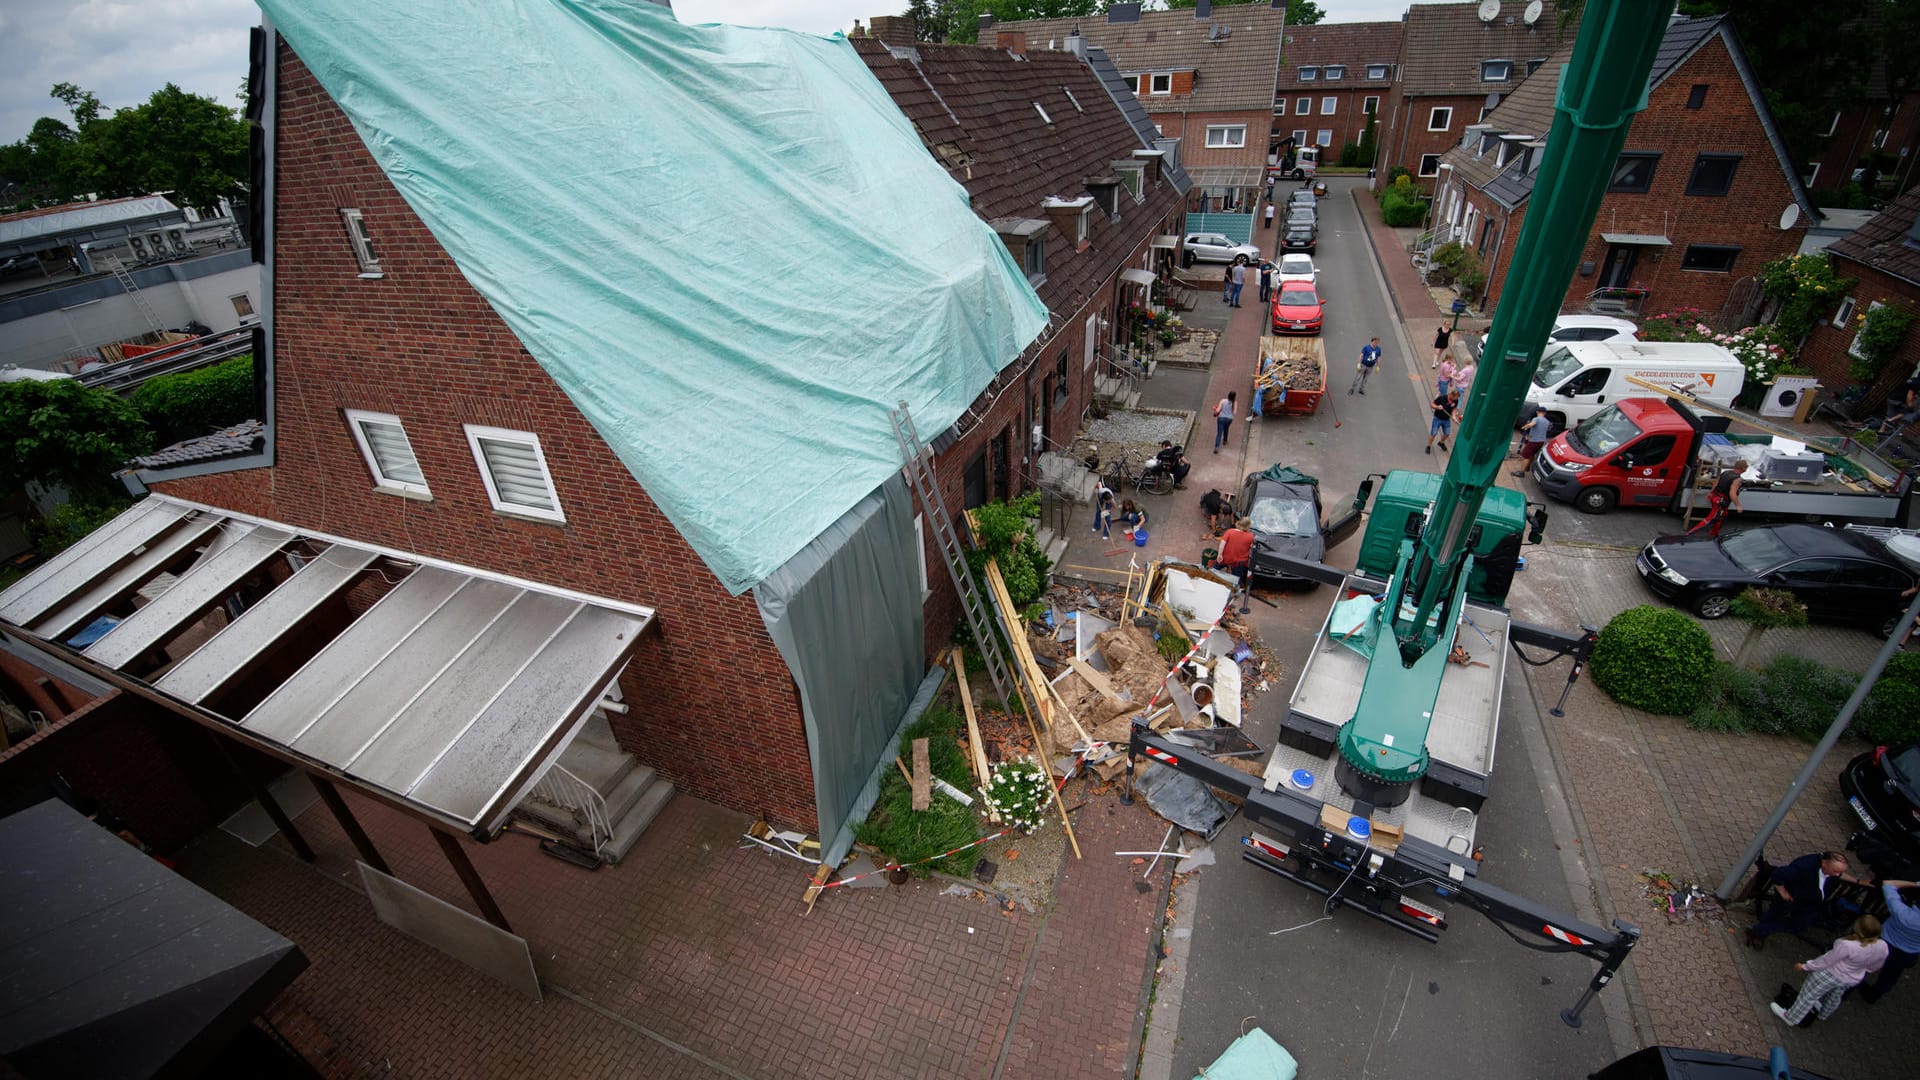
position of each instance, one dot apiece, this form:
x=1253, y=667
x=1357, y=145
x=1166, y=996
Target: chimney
x=894, y=29
x=986, y=25
x=1076, y=44
x=1014, y=41
x=1203, y=9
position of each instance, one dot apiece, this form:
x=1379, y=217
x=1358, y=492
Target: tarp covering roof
x=112, y=965
x=712, y=237
x=449, y=694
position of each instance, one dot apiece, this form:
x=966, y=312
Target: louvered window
x=515, y=472
x=383, y=442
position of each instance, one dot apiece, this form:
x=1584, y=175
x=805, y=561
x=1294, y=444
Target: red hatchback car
x=1297, y=309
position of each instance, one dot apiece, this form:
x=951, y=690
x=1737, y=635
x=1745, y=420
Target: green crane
x=1601, y=88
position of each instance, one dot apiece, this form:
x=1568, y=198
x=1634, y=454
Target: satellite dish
x=1489, y=10
x=1532, y=14
x=1789, y=216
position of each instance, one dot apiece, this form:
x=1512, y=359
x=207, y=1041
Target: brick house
x=1883, y=258
x=408, y=423
x=1202, y=74
x=1455, y=67
x=1697, y=198
x=1333, y=76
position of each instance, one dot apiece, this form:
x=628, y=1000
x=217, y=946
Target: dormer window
x=1162, y=83
x=1496, y=70
x=1155, y=161
x=1534, y=64
x=1309, y=74
x=1106, y=194
x=1073, y=216
x=1377, y=72
x=1334, y=72
x=1026, y=240
x=1132, y=174
x=1133, y=83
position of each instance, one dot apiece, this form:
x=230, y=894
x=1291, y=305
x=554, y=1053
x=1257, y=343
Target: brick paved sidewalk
x=695, y=959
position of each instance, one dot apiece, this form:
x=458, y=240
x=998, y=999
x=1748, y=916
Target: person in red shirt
x=1236, y=549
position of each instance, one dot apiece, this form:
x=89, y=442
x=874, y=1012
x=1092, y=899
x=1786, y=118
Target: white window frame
x=1832, y=125
x=1280, y=106
x=252, y=314
x=1853, y=347
x=1033, y=257
x=1133, y=83
x=1334, y=72
x=1303, y=106
x=1385, y=70
x=1813, y=173
x=1226, y=139
x=1299, y=136
x=1323, y=138
x=1328, y=105
x=361, y=241
x=1843, y=317
x=1424, y=158
x=478, y=432
x=1090, y=344
x=1504, y=67
x=1160, y=83
x=381, y=481
x=1440, y=118
x=1083, y=225
x=1370, y=105
x=1880, y=138
x=1309, y=73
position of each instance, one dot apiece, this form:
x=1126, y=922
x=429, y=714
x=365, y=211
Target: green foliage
x=193, y=403
x=1891, y=714
x=1807, y=290
x=907, y=835
x=1171, y=647
x=1768, y=609
x=1680, y=324
x=1455, y=264
x=1792, y=695
x=1004, y=531
x=186, y=145
x=59, y=432
x=70, y=523
x=1883, y=328
x=1402, y=205
x=1018, y=793
x=1654, y=658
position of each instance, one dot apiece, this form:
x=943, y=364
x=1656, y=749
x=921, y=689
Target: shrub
x=907, y=835
x=69, y=523
x=1891, y=714
x=1018, y=792
x=1654, y=658
x=193, y=403
x=1401, y=210
x=1792, y=695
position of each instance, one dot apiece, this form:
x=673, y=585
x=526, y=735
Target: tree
x=1299, y=12
x=185, y=144
x=59, y=432
x=963, y=21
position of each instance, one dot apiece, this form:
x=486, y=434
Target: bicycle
x=1122, y=475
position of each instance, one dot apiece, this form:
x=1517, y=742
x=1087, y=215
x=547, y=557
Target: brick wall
x=1191, y=130
x=1348, y=121
x=1406, y=139
x=1825, y=352
x=1852, y=141
x=713, y=707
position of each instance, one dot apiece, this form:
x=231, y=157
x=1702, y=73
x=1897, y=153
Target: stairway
x=1111, y=392
x=632, y=794
x=1065, y=486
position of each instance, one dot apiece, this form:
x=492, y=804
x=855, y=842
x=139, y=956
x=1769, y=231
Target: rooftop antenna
x=1489, y=11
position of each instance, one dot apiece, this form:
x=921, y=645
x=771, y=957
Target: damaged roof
x=1887, y=243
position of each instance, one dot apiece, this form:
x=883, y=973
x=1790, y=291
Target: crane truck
x=1383, y=762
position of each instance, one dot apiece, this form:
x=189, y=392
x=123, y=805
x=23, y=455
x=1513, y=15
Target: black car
x=1882, y=787
x=1840, y=575
x=1304, y=236
x=1284, y=507
x=1679, y=1063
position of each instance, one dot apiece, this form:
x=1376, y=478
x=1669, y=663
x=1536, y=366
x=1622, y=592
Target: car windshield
x=1298, y=298
x=1602, y=433
x=1296, y=264
x=1300, y=215
x=1756, y=550
x=1282, y=517
x=1555, y=367
x=1904, y=766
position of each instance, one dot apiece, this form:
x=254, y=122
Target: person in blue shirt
x=1369, y=359
x=1901, y=932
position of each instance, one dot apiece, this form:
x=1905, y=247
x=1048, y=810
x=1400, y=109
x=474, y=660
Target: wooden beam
x=922, y=779
x=1095, y=679
x=976, y=752
x=456, y=854
x=349, y=824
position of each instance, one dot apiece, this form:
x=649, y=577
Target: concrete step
x=1056, y=550
x=627, y=829
x=600, y=765
x=1130, y=400
x=622, y=799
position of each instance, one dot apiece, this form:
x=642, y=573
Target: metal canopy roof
x=451, y=692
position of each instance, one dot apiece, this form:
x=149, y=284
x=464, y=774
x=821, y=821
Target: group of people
x=1806, y=890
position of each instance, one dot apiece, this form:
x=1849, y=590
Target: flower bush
x=1018, y=793
x=1759, y=348
x=1806, y=288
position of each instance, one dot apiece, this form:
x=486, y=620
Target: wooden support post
x=921, y=779
x=266, y=800
x=456, y=854
x=349, y=824
x=976, y=752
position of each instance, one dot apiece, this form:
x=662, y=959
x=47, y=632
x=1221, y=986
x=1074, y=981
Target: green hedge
x=1654, y=658
x=1799, y=697
x=1891, y=713
x=199, y=402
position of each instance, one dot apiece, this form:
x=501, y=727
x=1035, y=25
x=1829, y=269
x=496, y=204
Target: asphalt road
x=1350, y=997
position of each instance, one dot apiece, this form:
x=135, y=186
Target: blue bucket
x=1139, y=538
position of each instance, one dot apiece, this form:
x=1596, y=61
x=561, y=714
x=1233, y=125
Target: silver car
x=1214, y=247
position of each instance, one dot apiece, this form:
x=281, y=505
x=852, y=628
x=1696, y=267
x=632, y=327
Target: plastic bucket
x=1207, y=555
x=1139, y=538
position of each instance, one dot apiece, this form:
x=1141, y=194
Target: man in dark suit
x=1801, y=890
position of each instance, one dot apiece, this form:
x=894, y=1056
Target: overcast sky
x=124, y=51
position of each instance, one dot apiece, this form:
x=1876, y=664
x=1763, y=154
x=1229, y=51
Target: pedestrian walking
x=1103, y=509
x=1440, y=340
x=1269, y=213
x=1902, y=935
x=1724, y=499
x=1369, y=359
x=1854, y=957
x=1533, y=436
x=1446, y=409
x=1444, y=374
x=1266, y=280
x=1236, y=280
x=1222, y=420
x=1801, y=892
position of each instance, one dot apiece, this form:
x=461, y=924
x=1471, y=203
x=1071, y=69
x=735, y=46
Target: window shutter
x=392, y=452
x=518, y=478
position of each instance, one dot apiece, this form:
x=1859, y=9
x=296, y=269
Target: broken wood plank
x=1173, y=622
x=976, y=751
x=922, y=778
x=1095, y=679
x=904, y=771
x=818, y=886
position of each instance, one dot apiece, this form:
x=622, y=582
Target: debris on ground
x=1682, y=900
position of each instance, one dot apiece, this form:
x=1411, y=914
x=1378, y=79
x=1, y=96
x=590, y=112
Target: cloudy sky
x=124, y=50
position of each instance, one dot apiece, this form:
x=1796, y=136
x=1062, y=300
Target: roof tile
x=1236, y=71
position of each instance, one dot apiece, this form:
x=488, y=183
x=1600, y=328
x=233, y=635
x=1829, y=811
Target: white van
x=1576, y=379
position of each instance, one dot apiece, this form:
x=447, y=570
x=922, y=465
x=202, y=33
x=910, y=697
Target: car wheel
x=1889, y=624
x=1595, y=500
x=1299, y=174
x=1713, y=605
x=1186, y=260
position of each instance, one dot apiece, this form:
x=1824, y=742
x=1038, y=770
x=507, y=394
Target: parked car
x=1284, y=507
x=1303, y=197
x=1839, y=574
x=1296, y=268
x=1213, y=247
x=1593, y=328
x=1301, y=233
x=1297, y=309
x=1882, y=787
x=1680, y=1063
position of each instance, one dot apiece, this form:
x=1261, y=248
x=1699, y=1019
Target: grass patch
x=906, y=835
